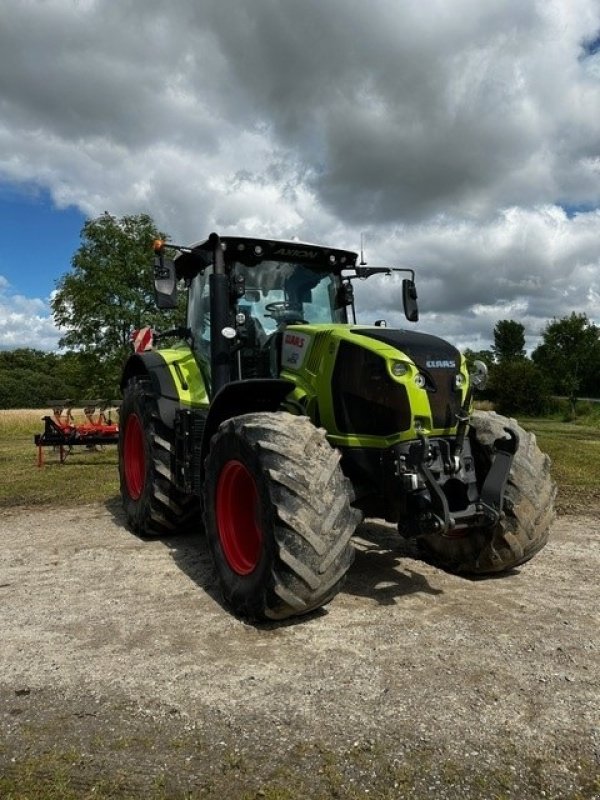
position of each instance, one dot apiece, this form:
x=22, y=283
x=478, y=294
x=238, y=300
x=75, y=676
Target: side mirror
x=165, y=282
x=409, y=300
x=479, y=375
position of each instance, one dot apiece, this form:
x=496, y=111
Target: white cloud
x=526, y=264
x=25, y=321
x=454, y=134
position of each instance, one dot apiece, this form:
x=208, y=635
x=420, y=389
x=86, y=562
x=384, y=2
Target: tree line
x=109, y=292
x=566, y=363
x=35, y=379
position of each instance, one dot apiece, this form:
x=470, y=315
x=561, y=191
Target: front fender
x=243, y=397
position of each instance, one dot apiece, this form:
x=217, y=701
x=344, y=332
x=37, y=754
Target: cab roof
x=251, y=251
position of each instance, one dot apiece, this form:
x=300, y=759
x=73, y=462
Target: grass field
x=86, y=476
x=574, y=448
x=92, y=475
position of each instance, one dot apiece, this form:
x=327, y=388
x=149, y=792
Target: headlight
x=399, y=368
x=459, y=381
x=420, y=380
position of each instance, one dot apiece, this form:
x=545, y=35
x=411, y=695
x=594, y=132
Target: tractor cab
x=244, y=292
x=267, y=298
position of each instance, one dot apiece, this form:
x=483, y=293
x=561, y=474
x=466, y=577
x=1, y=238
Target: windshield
x=278, y=293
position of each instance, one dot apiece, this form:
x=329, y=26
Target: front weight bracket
x=492, y=491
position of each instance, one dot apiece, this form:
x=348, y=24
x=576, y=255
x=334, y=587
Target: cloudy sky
x=461, y=137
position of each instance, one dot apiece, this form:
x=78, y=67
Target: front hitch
x=492, y=491
x=440, y=521
x=487, y=510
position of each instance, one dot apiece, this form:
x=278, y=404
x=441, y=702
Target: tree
x=108, y=293
x=570, y=356
x=509, y=340
x=519, y=387
x=34, y=379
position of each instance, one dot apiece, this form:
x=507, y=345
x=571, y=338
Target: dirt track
x=119, y=664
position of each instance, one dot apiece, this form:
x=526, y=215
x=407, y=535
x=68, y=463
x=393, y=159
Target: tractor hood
x=436, y=360
x=426, y=351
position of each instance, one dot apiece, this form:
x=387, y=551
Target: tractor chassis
x=429, y=486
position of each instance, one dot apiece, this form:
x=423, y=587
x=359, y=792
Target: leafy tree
x=107, y=294
x=32, y=379
x=519, y=387
x=509, y=340
x=570, y=356
x=479, y=355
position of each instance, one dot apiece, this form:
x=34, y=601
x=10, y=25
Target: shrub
x=519, y=387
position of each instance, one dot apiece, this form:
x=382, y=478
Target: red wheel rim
x=134, y=457
x=237, y=510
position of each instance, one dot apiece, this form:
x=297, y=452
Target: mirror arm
x=367, y=272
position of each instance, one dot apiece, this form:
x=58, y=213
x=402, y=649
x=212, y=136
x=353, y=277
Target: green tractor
x=277, y=422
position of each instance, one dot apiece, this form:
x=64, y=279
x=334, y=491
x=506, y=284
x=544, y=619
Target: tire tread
x=528, y=508
x=313, y=519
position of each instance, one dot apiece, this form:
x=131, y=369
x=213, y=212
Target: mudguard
x=176, y=380
x=243, y=397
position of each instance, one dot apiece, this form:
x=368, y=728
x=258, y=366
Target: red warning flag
x=142, y=340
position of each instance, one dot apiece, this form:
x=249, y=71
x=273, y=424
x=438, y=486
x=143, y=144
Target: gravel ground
x=120, y=672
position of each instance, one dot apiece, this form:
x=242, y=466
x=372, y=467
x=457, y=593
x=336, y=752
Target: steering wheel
x=282, y=311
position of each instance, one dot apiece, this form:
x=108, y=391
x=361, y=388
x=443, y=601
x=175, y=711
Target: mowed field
x=574, y=448
x=123, y=676
x=88, y=475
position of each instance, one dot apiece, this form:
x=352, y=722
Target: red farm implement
x=63, y=434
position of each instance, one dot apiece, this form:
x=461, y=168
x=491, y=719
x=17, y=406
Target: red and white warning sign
x=142, y=340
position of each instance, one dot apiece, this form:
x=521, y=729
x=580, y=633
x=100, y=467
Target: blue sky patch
x=38, y=239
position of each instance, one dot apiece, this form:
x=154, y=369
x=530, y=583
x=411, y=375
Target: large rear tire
x=528, y=507
x=277, y=515
x=153, y=504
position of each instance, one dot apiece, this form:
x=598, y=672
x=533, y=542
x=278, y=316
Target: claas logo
x=294, y=340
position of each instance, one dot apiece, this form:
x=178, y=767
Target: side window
x=198, y=319
x=320, y=303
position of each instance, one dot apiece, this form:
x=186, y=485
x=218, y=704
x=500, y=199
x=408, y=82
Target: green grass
x=310, y=772
x=92, y=476
x=574, y=448
x=87, y=476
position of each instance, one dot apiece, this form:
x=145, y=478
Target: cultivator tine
x=62, y=432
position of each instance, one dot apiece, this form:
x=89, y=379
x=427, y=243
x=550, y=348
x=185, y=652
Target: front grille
x=365, y=398
x=424, y=349
x=444, y=400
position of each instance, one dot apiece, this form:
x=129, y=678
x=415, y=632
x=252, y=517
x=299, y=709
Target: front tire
x=528, y=507
x=278, y=515
x=153, y=504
